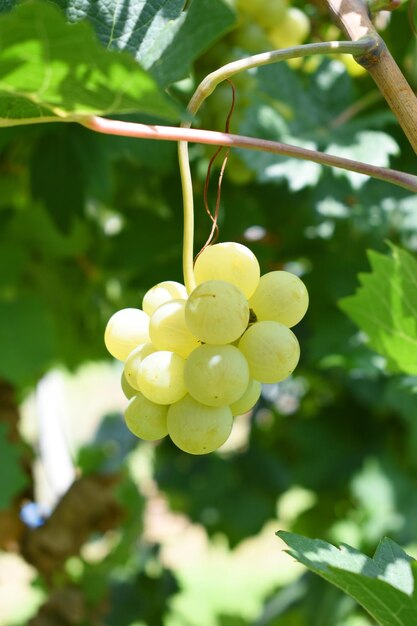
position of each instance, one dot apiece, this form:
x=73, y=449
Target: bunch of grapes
x=193, y=362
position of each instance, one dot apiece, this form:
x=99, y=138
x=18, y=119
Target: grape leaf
x=307, y=109
x=372, y=147
x=13, y=480
x=263, y=121
x=383, y=585
x=26, y=339
x=58, y=175
x=385, y=308
x=52, y=69
x=160, y=34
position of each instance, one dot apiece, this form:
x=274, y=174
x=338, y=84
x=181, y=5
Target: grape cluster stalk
x=195, y=361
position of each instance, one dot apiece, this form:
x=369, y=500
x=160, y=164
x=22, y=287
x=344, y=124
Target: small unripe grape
x=125, y=330
x=352, y=66
x=161, y=377
x=145, y=419
x=251, y=37
x=280, y=297
x=217, y=312
x=265, y=12
x=248, y=400
x=161, y=293
x=229, y=261
x=271, y=350
x=291, y=30
x=216, y=375
x=197, y=428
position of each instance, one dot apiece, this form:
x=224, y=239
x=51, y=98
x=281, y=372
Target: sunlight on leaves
x=385, y=308
x=51, y=69
x=383, y=585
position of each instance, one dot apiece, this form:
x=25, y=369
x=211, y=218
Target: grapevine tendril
x=214, y=232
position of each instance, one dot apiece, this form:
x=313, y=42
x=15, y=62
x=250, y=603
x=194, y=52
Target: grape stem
x=185, y=134
x=204, y=89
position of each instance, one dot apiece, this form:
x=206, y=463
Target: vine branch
x=210, y=82
x=216, y=138
x=353, y=18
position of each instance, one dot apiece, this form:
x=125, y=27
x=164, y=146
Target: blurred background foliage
x=144, y=534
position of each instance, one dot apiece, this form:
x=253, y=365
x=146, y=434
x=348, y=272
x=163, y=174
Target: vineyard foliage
x=89, y=222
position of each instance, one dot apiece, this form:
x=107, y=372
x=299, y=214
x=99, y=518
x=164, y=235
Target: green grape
x=168, y=330
x=264, y=12
x=127, y=389
x=248, y=400
x=280, y=297
x=271, y=350
x=133, y=362
x=231, y=262
x=291, y=30
x=125, y=330
x=197, y=428
x=251, y=37
x=216, y=375
x=145, y=419
x=217, y=312
x=161, y=377
x=161, y=293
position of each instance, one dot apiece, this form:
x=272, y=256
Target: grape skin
x=271, y=350
x=217, y=312
x=291, y=30
x=145, y=419
x=162, y=292
x=216, y=375
x=161, y=377
x=248, y=400
x=125, y=330
x=229, y=261
x=127, y=389
x=196, y=428
x=265, y=12
x=169, y=331
x=133, y=362
x=280, y=297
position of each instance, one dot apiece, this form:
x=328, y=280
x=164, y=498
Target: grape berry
x=192, y=362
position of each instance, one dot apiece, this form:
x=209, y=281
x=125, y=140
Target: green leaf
x=384, y=585
x=263, y=121
x=306, y=109
x=26, y=339
x=309, y=101
x=160, y=34
x=385, y=308
x=57, y=173
x=13, y=480
x=52, y=69
x=373, y=147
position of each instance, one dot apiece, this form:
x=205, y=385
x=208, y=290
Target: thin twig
x=214, y=232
